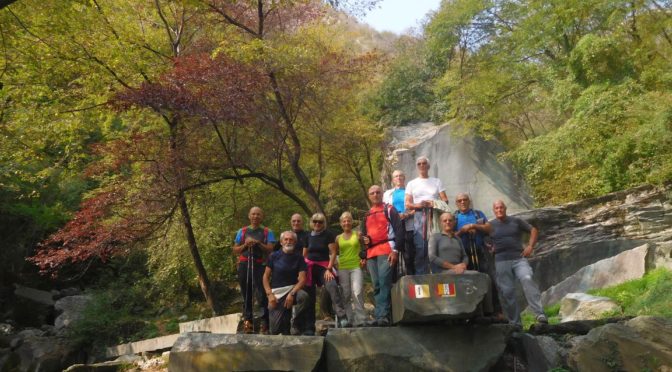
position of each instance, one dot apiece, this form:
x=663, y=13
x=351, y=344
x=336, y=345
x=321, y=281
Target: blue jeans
x=507, y=273
x=421, y=255
x=381, y=276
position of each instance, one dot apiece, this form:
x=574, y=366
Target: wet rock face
x=221, y=352
x=641, y=344
x=416, y=348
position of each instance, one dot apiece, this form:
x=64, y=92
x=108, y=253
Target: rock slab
x=640, y=344
x=416, y=348
x=423, y=298
x=218, y=324
x=625, y=266
x=221, y=352
x=582, y=306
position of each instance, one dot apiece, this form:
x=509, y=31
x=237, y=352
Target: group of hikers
x=410, y=220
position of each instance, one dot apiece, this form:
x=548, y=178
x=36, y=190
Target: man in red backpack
x=382, y=232
x=252, y=244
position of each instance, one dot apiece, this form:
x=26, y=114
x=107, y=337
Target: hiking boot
x=263, y=329
x=248, y=328
x=383, y=322
x=371, y=323
x=541, y=318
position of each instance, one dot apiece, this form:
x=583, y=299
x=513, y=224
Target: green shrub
x=650, y=295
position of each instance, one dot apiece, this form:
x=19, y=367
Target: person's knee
x=301, y=296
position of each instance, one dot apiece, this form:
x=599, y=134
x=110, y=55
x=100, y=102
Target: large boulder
x=416, y=348
x=618, y=269
x=424, y=298
x=71, y=309
x=221, y=352
x=640, y=344
x=31, y=307
x=582, y=306
x=35, y=295
x=39, y=353
x=541, y=353
x=463, y=162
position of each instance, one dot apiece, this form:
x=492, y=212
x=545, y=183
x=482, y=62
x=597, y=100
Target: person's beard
x=288, y=249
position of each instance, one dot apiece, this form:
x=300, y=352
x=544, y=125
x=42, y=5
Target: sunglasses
x=462, y=200
x=318, y=221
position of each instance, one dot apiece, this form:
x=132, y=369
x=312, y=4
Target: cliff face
x=463, y=163
x=579, y=234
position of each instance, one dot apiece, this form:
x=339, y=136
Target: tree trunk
x=203, y=280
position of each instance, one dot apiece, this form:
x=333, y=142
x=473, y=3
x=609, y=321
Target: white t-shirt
x=422, y=189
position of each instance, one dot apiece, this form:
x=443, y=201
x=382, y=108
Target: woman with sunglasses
x=320, y=256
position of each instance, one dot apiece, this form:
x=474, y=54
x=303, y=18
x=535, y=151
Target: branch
x=167, y=27
x=232, y=21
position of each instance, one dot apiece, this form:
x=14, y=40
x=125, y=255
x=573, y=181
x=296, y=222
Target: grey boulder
x=640, y=344
x=222, y=352
x=582, y=306
x=416, y=348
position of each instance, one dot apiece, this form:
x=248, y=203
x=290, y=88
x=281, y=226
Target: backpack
x=242, y=257
x=244, y=232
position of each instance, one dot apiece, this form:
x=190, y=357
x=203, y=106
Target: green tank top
x=348, y=257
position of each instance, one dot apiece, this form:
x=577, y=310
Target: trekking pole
x=252, y=288
x=246, y=290
x=427, y=229
x=474, y=253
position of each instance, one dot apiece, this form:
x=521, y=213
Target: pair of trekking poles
x=249, y=287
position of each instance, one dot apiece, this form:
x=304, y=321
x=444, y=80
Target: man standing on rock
x=472, y=229
x=511, y=262
x=252, y=244
x=397, y=197
x=423, y=194
x=382, y=233
x=284, y=278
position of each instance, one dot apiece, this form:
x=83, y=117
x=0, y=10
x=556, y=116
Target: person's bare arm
x=272, y=301
x=534, y=235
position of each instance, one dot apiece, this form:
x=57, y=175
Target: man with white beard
x=284, y=278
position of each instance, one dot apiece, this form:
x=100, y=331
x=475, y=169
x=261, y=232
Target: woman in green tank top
x=350, y=273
